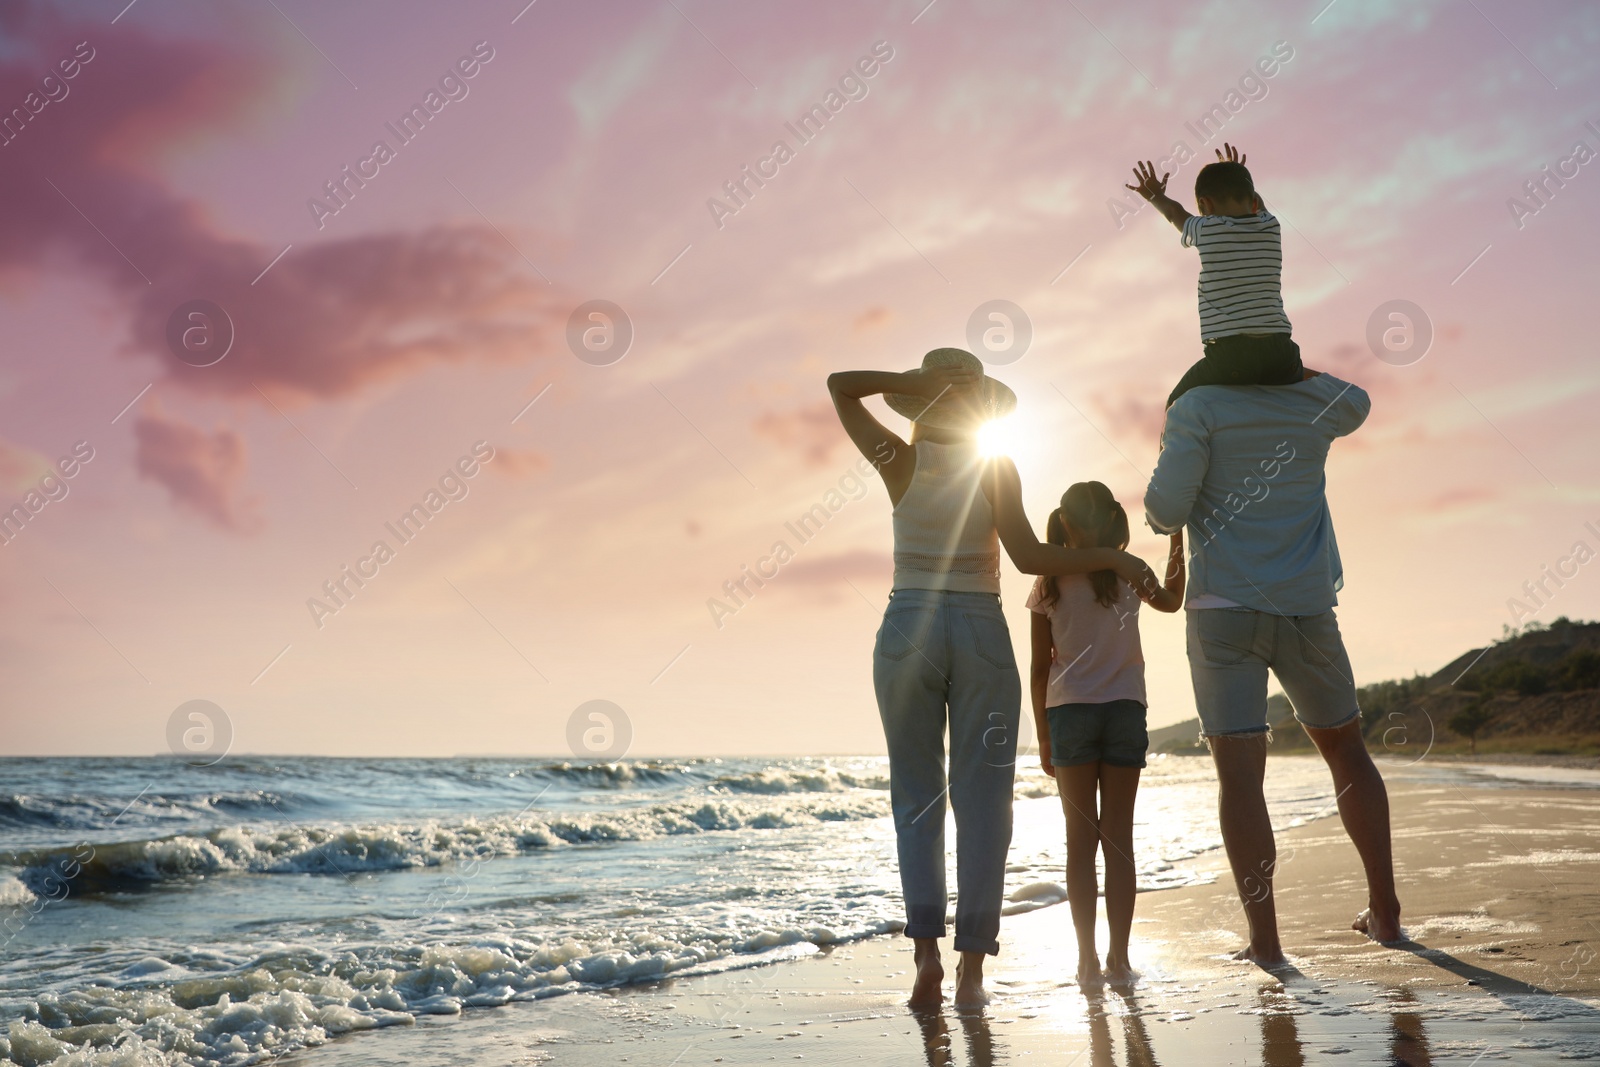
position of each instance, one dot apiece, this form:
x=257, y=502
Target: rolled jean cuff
x=973, y=943
x=1254, y=731
x=933, y=930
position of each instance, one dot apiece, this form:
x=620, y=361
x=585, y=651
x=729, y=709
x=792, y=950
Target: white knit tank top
x=944, y=535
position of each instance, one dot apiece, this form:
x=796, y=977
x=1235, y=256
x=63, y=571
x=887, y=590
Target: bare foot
x=1267, y=961
x=969, y=987
x=1089, y=975
x=1383, y=928
x=927, y=990
x=1118, y=973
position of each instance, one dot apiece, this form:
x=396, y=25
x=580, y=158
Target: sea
x=155, y=912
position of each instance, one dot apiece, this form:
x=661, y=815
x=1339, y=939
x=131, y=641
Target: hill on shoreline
x=1536, y=691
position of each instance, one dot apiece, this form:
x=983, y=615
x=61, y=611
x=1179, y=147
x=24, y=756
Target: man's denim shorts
x=1113, y=732
x=1230, y=650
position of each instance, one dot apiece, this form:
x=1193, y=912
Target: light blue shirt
x=1242, y=471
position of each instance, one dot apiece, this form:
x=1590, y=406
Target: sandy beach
x=1500, y=890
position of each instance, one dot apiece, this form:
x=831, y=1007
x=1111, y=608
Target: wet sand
x=1501, y=890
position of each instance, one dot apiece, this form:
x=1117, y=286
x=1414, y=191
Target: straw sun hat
x=955, y=408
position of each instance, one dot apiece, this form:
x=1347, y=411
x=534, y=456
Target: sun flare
x=998, y=437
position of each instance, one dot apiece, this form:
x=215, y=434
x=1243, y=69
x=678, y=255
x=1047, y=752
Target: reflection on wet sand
x=1135, y=1039
x=1410, y=1040
x=982, y=1050
x=938, y=1043
x=1280, y=1033
x=1281, y=1045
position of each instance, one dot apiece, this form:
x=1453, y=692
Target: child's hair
x=1092, y=511
x=1224, y=181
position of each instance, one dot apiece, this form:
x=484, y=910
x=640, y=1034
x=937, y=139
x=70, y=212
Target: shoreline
x=1496, y=882
x=1553, y=759
x=1519, y=759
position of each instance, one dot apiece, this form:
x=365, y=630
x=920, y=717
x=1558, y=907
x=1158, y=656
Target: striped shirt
x=1241, y=273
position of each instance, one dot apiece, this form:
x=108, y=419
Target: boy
x=1242, y=324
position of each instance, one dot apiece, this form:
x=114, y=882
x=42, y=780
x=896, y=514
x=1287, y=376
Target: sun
x=998, y=437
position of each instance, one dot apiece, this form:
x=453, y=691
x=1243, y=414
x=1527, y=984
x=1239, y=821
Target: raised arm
x=894, y=460
x=1233, y=155
x=1155, y=191
x=1003, y=487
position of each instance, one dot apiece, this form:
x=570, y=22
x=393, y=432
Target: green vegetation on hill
x=1578, y=669
x=1535, y=691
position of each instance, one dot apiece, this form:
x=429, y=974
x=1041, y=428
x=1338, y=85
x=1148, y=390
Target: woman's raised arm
x=1003, y=486
x=894, y=460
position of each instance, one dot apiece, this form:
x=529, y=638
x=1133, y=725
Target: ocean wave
x=75, y=811
x=159, y=1011
x=288, y=848
x=778, y=780
x=623, y=774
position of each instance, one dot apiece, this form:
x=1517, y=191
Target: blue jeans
x=941, y=657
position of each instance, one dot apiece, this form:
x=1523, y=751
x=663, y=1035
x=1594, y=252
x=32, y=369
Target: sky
x=182, y=180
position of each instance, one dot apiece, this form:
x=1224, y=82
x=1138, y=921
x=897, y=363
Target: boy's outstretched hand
x=1233, y=155
x=1148, y=186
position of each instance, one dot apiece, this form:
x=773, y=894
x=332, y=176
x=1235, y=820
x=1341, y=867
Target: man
x=1243, y=469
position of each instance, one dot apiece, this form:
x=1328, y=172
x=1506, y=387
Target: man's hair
x=1224, y=181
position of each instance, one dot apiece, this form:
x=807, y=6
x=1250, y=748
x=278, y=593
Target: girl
x=1089, y=711
x=943, y=653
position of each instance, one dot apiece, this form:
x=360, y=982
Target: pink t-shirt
x=1097, y=658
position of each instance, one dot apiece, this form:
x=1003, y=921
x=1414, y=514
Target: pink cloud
x=519, y=463
x=813, y=431
x=830, y=570
x=871, y=319
x=201, y=470
x=20, y=467
x=1460, y=499
x=1132, y=412
x=325, y=321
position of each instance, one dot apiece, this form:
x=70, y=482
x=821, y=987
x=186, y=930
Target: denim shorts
x=1230, y=651
x=1113, y=732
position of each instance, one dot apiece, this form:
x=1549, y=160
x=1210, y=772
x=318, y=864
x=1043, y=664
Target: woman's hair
x=1094, y=514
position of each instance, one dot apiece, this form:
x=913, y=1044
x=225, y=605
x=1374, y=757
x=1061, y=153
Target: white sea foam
x=776, y=780
x=1477, y=922
x=1033, y=896
x=13, y=893
x=301, y=996
x=1539, y=858
x=287, y=848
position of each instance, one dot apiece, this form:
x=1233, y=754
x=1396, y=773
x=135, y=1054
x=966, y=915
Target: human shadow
x=1497, y=985
x=938, y=1040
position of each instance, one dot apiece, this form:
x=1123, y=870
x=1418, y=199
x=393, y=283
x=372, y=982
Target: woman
x=944, y=652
